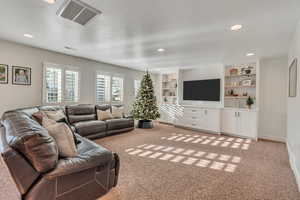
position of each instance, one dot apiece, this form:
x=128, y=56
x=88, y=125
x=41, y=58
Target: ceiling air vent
x=77, y=11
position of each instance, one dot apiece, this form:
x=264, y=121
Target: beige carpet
x=167, y=163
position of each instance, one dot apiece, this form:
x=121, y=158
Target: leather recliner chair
x=31, y=156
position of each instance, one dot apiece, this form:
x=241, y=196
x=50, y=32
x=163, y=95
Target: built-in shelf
x=240, y=75
x=236, y=97
x=169, y=88
x=241, y=86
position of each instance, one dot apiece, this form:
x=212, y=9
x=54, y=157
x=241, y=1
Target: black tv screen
x=202, y=90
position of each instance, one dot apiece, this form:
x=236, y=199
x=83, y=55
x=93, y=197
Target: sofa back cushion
x=103, y=107
x=28, y=137
x=83, y=112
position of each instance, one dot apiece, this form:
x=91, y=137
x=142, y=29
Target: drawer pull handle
x=194, y=118
x=193, y=110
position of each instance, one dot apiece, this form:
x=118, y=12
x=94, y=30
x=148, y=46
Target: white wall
x=14, y=96
x=293, y=111
x=209, y=72
x=272, y=104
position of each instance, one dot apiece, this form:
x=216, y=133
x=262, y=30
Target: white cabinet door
x=211, y=120
x=247, y=124
x=229, y=121
x=166, y=113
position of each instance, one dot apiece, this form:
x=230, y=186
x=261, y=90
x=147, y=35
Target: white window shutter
x=71, y=86
x=102, y=88
x=117, y=89
x=137, y=85
x=53, y=85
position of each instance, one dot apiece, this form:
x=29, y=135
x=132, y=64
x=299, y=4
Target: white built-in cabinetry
x=207, y=119
x=241, y=122
x=231, y=116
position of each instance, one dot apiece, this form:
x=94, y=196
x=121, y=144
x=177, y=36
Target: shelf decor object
x=293, y=79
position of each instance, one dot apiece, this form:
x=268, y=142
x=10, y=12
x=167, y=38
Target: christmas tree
x=145, y=107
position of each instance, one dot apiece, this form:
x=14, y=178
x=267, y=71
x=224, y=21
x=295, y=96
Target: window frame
x=63, y=69
x=111, y=76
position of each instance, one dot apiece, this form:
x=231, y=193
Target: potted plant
x=145, y=108
x=250, y=102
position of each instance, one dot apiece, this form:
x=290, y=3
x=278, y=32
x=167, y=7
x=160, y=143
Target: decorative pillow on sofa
x=56, y=115
x=117, y=111
x=63, y=136
x=104, y=115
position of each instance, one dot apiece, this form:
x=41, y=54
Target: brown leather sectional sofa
x=31, y=155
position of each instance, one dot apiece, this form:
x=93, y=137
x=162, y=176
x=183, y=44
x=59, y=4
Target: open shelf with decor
x=169, y=88
x=240, y=87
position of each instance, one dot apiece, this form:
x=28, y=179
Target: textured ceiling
x=129, y=32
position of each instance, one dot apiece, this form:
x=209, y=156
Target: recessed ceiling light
x=160, y=50
x=50, y=1
x=236, y=27
x=250, y=54
x=28, y=35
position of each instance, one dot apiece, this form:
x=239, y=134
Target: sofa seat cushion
x=90, y=155
x=86, y=128
x=114, y=124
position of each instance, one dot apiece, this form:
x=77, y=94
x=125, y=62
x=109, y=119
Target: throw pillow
x=104, y=115
x=56, y=115
x=47, y=122
x=117, y=112
x=38, y=116
x=63, y=137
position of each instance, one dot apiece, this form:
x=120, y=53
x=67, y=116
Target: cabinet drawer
x=191, y=111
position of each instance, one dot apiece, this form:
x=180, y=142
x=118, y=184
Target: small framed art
x=3, y=74
x=21, y=75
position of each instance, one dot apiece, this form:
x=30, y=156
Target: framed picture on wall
x=293, y=79
x=21, y=75
x=3, y=74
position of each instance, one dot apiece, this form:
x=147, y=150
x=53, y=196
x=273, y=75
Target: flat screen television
x=202, y=90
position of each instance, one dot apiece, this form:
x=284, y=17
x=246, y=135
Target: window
x=102, y=88
x=108, y=88
x=61, y=85
x=117, y=89
x=53, y=85
x=71, y=86
x=137, y=85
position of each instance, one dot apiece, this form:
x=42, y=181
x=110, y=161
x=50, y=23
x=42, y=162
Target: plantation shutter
x=117, y=89
x=71, y=86
x=102, y=88
x=137, y=85
x=53, y=85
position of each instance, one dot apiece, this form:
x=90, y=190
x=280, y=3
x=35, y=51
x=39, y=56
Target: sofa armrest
x=92, y=158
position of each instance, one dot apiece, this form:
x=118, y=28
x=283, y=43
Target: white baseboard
x=293, y=164
x=273, y=138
